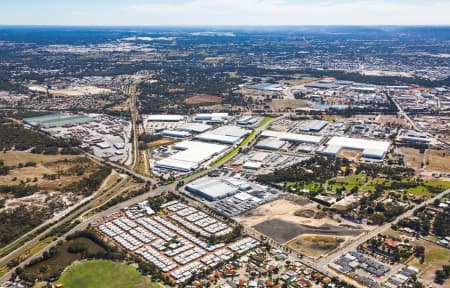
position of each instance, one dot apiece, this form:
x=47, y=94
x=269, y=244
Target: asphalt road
x=405, y=115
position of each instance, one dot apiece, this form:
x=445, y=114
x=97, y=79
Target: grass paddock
x=103, y=274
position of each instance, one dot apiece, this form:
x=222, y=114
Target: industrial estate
x=179, y=158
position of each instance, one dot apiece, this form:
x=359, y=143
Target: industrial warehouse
x=371, y=149
x=165, y=118
x=57, y=120
x=192, y=155
x=232, y=195
x=203, y=146
x=212, y=117
x=103, y=135
x=293, y=137
x=225, y=134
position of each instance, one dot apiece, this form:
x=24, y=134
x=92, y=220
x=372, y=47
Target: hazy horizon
x=233, y=13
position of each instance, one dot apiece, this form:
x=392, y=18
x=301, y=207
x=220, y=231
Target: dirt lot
x=71, y=91
x=202, y=99
x=383, y=119
x=281, y=105
x=214, y=59
x=315, y=246
x=350, y=154
x=161, y=142
x=277, y=220
x=123, y=107
x=283, y=231
x=412, y=157
x=437, y=160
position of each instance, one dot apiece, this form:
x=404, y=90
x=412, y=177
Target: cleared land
x=315, y=246
x=72, y=91
x=161, y=142
x=202, y=99
x=412, y=157
x=291, y=104
x=102, y=274
x=383, y=119
x=350, y=154
x=278, y=220
x=282, y=209
x=67, y=167
x=283, y=231
x=122, y=107
x=437, y=160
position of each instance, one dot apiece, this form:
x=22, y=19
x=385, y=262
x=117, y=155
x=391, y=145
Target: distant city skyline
x=225, y=12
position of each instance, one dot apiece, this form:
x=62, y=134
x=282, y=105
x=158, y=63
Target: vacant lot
x=72, y=91
x=202, y=99
x=67, y=168
x=287, y=210
x=350, y=154
x=100, y=273
x=435, y=257
x=283, y=231
x=291, y=104
x=412, y=157
x=383, y=119
x=315, y=246
x=161, y=142
x=437, y=160
x=280, y=208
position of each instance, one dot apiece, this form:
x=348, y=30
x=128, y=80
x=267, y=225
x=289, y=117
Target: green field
x=265, y=121
x=348, y=182
x=233, y=152
x=103, y=274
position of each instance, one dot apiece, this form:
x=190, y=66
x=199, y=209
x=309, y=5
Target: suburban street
x=363, y=238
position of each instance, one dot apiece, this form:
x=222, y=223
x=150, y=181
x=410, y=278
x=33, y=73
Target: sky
x=224, y=12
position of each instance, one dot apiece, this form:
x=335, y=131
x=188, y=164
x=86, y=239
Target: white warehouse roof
x=174, y=164
x=292, y=137
x=164, y=118
x=211, y=116
x=175, y=133
x=211, y=189
x=270, y=144
x=193, y=155
x=194, y=127
x=225, y=134
x=370, y=148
